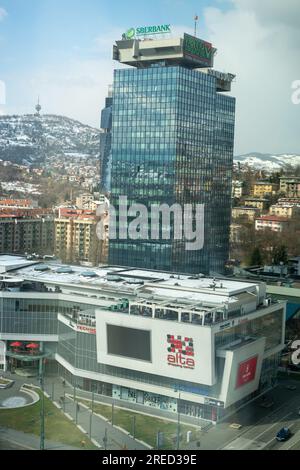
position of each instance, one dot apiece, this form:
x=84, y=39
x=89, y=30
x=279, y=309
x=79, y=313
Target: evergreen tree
x=256, y=257
x=280, y=255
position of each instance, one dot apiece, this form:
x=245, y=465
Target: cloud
x=256, y=40
x=77, y=90
x=273, y=11
x=3, y=13
x=259, y=45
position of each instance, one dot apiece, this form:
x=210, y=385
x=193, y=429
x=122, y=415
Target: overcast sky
x=61, y=50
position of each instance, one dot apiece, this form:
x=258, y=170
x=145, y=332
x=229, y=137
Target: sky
x=61, y=50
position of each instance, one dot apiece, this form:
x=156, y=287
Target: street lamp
x=42, y=407
x=133, y=426
x=178, y=419
x=112, y=412
x=92, y=408
x=105, y=439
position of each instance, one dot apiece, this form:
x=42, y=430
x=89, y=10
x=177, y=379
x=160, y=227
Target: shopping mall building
x=192, y=344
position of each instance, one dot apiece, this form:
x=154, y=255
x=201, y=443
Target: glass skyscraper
x=105, y=144
x=172, y=143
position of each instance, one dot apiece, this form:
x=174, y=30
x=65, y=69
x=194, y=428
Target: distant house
x=264, y=188
x=272, y=222
x=248, y=213
x=290, y=186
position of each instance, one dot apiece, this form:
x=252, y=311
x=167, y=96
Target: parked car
x=266, y=404
x=291, y=387
x=283, y=435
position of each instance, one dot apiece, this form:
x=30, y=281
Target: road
x=261, y=435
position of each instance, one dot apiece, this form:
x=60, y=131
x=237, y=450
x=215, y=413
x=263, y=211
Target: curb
x=96, y=443
x=81, y=429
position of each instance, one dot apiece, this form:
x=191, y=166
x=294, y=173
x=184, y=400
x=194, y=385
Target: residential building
x=284, y=210
x=237, y=189
x=88, y=202
x=259, y=203
x=272, y=222
x=26, y=234
x=235, y=233
x=264, y=188
x=172, y=143
x=76, y=237
x=18, y=204
x=247, y=213
x=290, y=186
x=291, y=201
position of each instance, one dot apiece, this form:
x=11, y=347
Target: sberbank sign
x=199, y=49
x=147, y=31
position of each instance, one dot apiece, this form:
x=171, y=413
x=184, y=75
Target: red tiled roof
x=272, y=218
x=16, y=202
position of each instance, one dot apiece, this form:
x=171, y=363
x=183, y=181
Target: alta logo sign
x=180, y=352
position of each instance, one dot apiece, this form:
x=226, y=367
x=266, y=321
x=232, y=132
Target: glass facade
x=269, y=326
x=105, y=146
x=28, y=316
x=40, y=316
x=172, y=142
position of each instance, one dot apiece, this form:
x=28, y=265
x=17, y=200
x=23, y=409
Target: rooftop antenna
x=196, y=23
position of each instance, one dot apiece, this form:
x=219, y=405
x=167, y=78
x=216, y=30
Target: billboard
x=128, y=342
x=242, y=370
x=198, y=49
x=246, y=372
x=171, y=349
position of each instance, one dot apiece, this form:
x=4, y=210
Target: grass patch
x=146, y=427
x=57, y=427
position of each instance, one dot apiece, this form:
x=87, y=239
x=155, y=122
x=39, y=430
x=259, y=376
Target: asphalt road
x=262, y=434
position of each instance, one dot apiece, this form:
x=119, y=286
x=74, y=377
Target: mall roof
x=142, y=281
x=10, y=263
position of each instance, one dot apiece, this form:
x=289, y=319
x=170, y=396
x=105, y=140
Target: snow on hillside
x=30, y=138
x=268, y=162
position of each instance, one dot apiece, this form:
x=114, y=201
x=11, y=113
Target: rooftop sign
x=147, y=31
x=198, y=49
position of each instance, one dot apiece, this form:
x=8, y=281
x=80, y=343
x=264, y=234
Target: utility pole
x=93, y=397
x=133, y=426
x=42, y=407
x=105, y=439
x=178, y=423
x=76, y=411
x=196, y=21
x=112, y=412
x=64, y=402
x=91, y=420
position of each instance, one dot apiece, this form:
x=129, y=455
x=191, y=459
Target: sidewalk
x=30, y=441
x=116, y=439
x=90, y=422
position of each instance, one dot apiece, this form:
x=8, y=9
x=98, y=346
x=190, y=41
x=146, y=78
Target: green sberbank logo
x=147, y=31
x=130, y=33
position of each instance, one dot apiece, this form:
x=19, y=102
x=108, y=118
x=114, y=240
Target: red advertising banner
x=246, y=372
